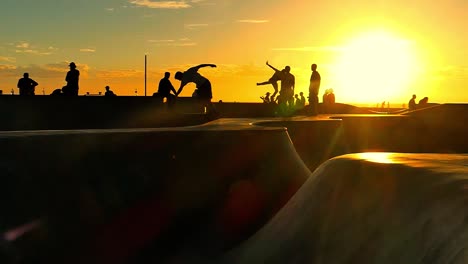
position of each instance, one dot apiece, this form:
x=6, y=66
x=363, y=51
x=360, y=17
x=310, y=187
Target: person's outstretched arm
x=204, y=65
x=269, y=65
x=172, y=88
x=182, y=84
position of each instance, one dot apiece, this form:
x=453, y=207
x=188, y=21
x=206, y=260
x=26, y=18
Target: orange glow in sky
x=367, y=51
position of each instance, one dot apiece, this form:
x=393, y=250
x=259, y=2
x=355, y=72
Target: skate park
x=186, y=188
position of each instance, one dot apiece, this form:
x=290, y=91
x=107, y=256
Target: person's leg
x=171, y=99
x=314, y=106
x=275, y=86
x=158, y=97
x=264, y=83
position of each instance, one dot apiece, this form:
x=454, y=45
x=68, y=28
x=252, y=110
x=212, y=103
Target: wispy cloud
x=22, y=45
x=193, y=26
x=188, y=44
x=87, y=50
x=52, y=70
x=164, y=4
x=253, y=21
x=7, y=67
x=183, y=42
x=26, y=48
x=320, y=48
x=32, y=51
x=118, y=74
x=7, y=59
x=110, y=9
x=161, y=40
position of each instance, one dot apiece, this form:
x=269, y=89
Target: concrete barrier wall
x=88, y=112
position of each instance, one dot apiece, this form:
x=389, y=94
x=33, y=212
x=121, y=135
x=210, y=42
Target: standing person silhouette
x=277, y=76
x=203, y=86
x=287, y=87
x=26, y=85
x=302, y=99
x=72, y=80
x=314, y=89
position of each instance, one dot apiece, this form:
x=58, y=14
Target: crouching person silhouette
x=203, y=86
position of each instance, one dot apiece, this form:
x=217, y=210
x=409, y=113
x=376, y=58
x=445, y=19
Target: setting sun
x=376, y=67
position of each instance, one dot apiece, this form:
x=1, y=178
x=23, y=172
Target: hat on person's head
x=72, y=64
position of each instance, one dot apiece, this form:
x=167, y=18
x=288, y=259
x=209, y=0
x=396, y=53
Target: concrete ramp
x=127, y=195
x=371, y=208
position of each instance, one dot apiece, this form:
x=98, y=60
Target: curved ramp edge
x=371, y=208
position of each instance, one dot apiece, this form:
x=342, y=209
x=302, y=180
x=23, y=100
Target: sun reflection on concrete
x=378, y=157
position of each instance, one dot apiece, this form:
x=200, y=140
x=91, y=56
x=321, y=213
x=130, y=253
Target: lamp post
x=145, y=73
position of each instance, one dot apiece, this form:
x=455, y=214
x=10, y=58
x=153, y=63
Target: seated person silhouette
x=412, y=103
x=203, y=86
x=266, y=98
x=26, y=85
x=164, y=90
x=277, y=76
x=423, y=102
x=109, y=92
x=56, y=92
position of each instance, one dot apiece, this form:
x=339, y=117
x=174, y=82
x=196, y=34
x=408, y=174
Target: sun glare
x=375, y=67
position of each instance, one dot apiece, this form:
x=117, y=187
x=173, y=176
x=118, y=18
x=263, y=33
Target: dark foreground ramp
x=371, y=208
x=138, y=195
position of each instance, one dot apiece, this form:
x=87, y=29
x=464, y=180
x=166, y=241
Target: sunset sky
x=368, y=51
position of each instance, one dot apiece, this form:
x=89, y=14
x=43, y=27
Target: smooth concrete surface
x=195, y=190
x=370, y=208
x=111, y=196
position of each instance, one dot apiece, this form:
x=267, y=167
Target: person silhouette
x=314, y=87
x=266, y=98
x=277, y=76
x=57, y=92
x=423, y=102
x=302, y=100
x=165, y=88
x=325, y=96
x=72, y=80
x=331, y=97
x=287, y=88
x=297, y=101
x=412, y=103
x=203, y=86
x=26, y=85
x=109, y=92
